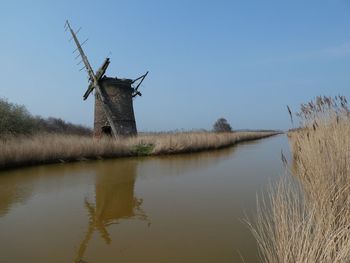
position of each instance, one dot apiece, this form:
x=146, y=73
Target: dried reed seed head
x=284, y=159
x=290, y=114
x=328, y=101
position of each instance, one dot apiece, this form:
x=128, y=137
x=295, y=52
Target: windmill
x=114, y=112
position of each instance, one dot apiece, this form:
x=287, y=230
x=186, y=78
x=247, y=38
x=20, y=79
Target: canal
x=180, y=208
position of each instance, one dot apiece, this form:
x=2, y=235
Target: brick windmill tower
x=114, y=112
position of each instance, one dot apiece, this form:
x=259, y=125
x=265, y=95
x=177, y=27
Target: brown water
x=185, y=208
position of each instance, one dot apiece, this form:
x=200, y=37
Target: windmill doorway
x=106, y=130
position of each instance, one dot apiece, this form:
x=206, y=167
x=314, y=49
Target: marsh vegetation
x=53, y=148
x=305, y=218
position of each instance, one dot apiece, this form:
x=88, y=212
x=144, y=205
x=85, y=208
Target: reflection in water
x=18, y=185
x=176, y=165
x=114, y=200
x=114, y=191
x=195, y=202
x=11, y=192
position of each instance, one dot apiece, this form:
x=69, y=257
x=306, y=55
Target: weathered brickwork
x=118, y=93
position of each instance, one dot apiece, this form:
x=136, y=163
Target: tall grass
x=306, y=216
x=49, y=148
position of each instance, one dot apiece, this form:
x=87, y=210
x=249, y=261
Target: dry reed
x=306, y=217
x=48, y=148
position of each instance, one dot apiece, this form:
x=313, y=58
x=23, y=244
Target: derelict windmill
x=114, y=112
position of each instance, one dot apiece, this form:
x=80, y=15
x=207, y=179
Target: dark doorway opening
x=106, y=130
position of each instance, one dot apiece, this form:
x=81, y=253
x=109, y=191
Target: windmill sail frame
x=94, y=81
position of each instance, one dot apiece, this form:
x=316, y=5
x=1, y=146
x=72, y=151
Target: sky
x=242, y=60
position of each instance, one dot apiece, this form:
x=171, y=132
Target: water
x=184, y=208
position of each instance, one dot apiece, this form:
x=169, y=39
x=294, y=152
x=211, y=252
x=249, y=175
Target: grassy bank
x=49, y=148
x=306, y=217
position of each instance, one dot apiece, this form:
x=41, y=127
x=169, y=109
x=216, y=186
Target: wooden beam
x=94, y=81
x=142, y=78
x=99, y=74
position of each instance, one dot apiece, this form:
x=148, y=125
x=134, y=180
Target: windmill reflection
x=114, y=200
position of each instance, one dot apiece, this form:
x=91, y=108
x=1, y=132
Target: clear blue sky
x=242, y=60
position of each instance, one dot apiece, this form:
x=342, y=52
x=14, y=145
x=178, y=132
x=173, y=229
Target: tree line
x=17, y=120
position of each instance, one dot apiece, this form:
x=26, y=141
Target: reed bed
x=50, y=148
x=306, y=215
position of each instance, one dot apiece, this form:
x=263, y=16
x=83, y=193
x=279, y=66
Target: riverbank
x=49, y=148
x=305, y=218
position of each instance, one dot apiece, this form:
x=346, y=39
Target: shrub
x=16, y=119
